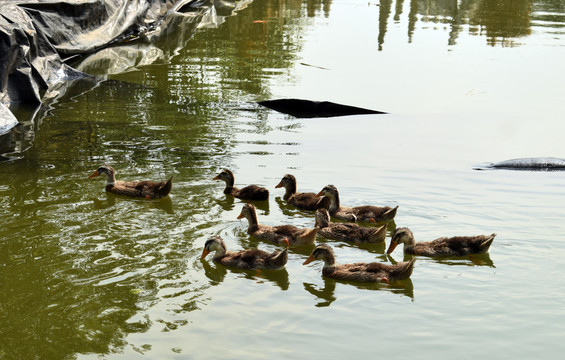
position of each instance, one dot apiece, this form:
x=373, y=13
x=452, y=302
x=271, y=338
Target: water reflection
x=501, y=22
x=217, y=273
x=165, y=204
x=326, y=294
x=467, y=260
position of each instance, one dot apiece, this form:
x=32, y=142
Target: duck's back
x=251, y=192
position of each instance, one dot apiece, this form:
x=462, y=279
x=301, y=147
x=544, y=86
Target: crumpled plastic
x=39, y=38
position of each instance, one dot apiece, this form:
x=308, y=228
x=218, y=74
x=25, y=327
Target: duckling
x=358, y=213
x=347, y=231
x=305, y=201
x=251, y=192
x=146, y=189
x=251, y=259
x=445, y=246
x=363, y=272
x=277, y=234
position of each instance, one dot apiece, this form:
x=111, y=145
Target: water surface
x=87, y=275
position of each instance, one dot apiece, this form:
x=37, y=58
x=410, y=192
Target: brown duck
x=362, y=272
x=251, y=192
x=277, y=234
x=305, y=201
x=142, y=189
x=445, y=246
x=251, y=259
x=365, y=213
x=350, y=232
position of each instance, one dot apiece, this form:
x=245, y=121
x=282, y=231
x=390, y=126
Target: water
x=86, y=275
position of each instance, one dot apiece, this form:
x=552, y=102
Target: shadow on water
x=165, y=204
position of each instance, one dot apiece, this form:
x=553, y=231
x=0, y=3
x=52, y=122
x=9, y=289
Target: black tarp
x=38, y=38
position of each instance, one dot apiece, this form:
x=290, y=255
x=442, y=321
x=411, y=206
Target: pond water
x=87, y=275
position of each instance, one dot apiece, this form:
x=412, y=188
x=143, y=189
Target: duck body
x=251, y=259
x=305, y=201
x=444, y=246
x=277, y=234
x=250, y=192
x=360, y=272
x=141, y=189
x=349, y=232
x=366, y=213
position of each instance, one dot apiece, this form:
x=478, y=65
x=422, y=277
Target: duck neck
x=253, y=223
x=229, y=184
x=290, y=190
x=219, y=253
x=328, y=268
x=409, y=242
x=334, y=203
x=110, y=179
x=322, y=223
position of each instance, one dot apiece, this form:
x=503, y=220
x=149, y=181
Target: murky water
x=88, y=275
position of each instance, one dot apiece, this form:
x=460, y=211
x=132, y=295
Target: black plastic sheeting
x=312, y=109
x=527, y=164
x=39, y=38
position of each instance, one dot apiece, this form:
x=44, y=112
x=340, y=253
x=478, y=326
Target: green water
x=87, y=275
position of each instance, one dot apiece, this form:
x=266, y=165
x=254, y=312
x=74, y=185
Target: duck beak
x=391, y=247
x=240, y=216
x=321, y=193
x=217, y=177
x=204, y=253
x=309, y=260
x=94, y=174
x=279, y=185
x=286, y=242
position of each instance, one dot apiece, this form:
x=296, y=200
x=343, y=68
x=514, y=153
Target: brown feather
x=250, y=192
x=445, y=246
x=362, y=272
x=295, y=235
x=350, y=232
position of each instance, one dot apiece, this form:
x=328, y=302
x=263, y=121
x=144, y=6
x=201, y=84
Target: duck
x=277, y=234
x=365, y=213
x=141, y=189
x=361, y=272
x=350, y=232
x=445, y=246
x=305, y=201
x=250, y=192
x=250, y=259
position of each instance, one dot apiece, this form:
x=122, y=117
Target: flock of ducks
x=326, y=205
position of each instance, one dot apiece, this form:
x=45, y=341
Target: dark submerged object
x=528, y=164
x=312, y=109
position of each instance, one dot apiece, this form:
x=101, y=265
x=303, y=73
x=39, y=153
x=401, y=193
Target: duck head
x=288, y=181
x=322, y=252
x=226, y=176
x=401, y=235
x=105, y=170
x=216, y=244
